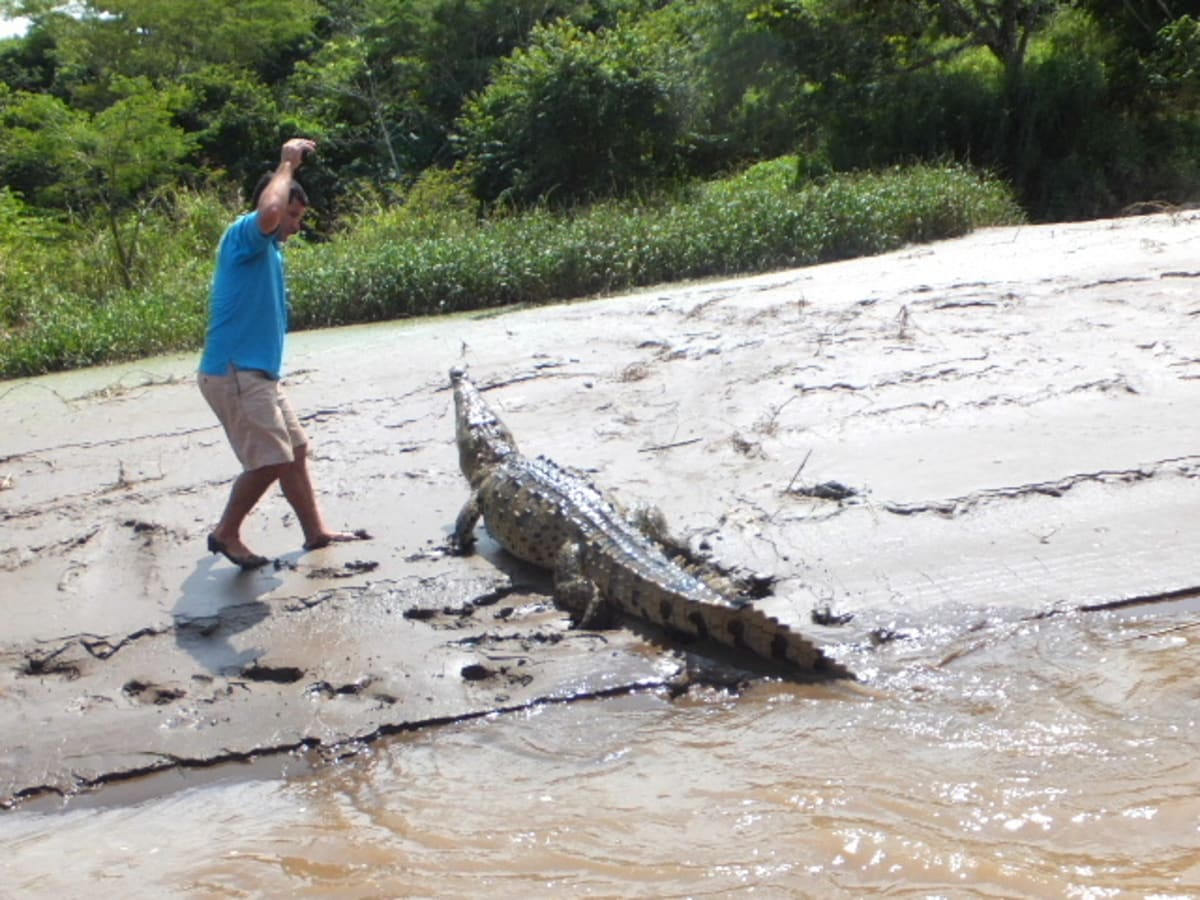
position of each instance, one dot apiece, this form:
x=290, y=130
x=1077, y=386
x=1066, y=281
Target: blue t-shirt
x=248, y=312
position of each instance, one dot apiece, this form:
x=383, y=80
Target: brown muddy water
x=986, y=757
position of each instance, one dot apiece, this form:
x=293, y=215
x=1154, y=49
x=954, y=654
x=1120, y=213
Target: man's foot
x=245, y=561
x=336, y=537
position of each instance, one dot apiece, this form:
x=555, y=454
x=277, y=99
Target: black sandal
x=245, y=563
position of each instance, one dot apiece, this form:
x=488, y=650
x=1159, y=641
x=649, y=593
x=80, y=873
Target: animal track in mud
x=824, y=615
x=346, y=570
x=103, y=648
x=525, y=641
x=456, y=617
x=140, y=527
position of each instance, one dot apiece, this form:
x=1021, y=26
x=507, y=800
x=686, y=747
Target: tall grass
x=421, y=259
x=752, y=222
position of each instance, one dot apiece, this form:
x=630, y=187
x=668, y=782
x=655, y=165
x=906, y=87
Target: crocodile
x=605, y=563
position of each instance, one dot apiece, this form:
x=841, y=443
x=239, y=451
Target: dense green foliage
x=579, y=99
x=128, y=129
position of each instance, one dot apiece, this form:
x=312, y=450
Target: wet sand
x=1002, y=423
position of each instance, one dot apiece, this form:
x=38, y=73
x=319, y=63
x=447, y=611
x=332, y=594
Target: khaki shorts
x=257, y=417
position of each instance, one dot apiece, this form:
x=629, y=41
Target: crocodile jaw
x=483, y=440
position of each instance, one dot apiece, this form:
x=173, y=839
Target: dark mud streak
x=1186, y=467
x=1186, y=593
x=60, y=547
x=944, y=372
x=113, y=442
x=1118, y=384
x=505, y=669
x=101, y=647
x=87, y=504
x=337, y=750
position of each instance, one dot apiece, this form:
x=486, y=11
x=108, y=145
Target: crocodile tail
x=748, y=629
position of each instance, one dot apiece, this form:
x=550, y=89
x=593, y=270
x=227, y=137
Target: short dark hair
x=296, y=195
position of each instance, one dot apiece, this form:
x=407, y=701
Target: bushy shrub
x=65, y=310
x=576, y=116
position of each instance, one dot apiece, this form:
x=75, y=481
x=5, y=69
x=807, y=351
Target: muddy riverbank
x=1003, y=425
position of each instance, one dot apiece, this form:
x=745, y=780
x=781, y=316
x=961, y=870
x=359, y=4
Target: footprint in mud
x=325, y=689
x=479, y=672
x=40, y=664
x=148, y=692
x=824, y=615
x=149, y=531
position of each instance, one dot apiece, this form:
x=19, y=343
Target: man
x=243, y=359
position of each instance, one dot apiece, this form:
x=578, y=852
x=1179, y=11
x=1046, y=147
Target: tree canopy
x=1083, y=106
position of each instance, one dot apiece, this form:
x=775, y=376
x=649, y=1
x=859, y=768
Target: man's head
x=297, y=206
x=290, y=224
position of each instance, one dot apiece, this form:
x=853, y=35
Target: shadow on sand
x=216, y=603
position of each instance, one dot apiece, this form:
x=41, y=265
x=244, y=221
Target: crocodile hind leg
x=651, y=522
x=578, y=594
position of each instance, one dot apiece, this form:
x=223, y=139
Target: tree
x=27, y=62
x=235, y=121
x=573, y=117
x=741, y=89
x=871, y=62
x=130, y=151
x=1003, y=26
x=37, y=133
x=360, y=104
x=103, y=41
x=111, y=164
x=1137, y=23
x=389, y=79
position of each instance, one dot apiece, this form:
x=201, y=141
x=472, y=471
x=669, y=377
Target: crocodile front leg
x=577, y=593
x=463, y=538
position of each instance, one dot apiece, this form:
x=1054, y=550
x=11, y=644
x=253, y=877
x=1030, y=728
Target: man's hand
x=277, y=215
x=297, y=150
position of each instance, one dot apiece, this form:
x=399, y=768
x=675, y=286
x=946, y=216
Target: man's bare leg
x=298, y=489
x=248, y=488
